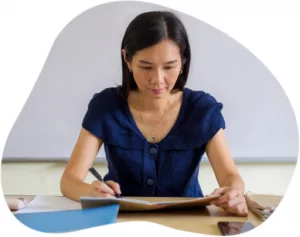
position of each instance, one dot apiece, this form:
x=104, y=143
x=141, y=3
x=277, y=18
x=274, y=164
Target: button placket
x=151, y=152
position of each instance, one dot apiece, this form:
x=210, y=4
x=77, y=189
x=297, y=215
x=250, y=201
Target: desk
x=203, y=221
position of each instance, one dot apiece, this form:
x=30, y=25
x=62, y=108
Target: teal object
x=69, y=220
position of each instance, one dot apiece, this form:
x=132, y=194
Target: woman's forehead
x=162, y=52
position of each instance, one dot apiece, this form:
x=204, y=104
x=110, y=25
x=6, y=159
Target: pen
x=98, y=176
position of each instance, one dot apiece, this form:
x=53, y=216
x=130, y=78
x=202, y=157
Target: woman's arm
x=231, y=184
x=72, y=183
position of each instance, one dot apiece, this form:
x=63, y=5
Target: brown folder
x=146, y=203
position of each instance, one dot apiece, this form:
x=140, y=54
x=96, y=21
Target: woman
x=154, y=130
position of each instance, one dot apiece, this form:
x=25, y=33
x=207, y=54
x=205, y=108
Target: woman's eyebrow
x=146, y=62
x=170, y=62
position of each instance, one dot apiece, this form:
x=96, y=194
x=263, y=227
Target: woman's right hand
x=104, y=189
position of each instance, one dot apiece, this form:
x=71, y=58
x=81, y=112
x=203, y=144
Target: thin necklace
x=153, y=134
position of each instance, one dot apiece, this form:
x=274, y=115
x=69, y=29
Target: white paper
x=50, y=203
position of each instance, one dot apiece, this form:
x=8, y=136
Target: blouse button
x=153, y=150
x=150, y=182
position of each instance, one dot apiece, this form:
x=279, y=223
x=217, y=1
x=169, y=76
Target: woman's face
x=156, y=69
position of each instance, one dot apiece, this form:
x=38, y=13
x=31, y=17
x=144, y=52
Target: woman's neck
x=147, y=104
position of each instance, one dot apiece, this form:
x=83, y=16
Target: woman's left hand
x=232, y=200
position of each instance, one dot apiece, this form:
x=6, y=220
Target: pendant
x=153, y=138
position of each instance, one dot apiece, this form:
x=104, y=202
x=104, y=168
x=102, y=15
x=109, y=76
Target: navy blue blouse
x=168, y=168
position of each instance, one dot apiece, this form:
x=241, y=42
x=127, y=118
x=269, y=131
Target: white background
x=86, y=58
x=267, y=29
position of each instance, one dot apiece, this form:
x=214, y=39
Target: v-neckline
x=179, y=117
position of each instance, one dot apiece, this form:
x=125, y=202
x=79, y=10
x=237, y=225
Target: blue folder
x=69, y=220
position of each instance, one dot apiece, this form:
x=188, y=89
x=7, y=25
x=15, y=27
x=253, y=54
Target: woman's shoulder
x=201, y=102
x=106, y=93
x=100, y=116
x=107, y=97
x=105, y=102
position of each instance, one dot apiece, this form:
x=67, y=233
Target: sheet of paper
x=50, y=203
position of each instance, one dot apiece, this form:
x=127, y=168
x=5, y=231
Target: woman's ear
x=125, y=59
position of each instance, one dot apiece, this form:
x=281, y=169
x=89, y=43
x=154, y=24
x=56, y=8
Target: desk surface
x=203, y=221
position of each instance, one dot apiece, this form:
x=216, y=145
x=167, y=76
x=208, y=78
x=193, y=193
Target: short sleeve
x=217, y=121
x=98, y=114
x=214, y=119
x=208, y=116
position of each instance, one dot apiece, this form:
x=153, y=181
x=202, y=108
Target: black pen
x=98, y=176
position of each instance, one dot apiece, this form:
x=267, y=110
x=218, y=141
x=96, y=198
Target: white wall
x=42, y=178
x=86, y=57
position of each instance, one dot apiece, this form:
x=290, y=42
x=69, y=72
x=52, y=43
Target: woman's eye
x=168, y=68
x=147, y=68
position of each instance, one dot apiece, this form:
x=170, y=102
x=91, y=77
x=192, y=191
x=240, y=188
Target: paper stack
x=261, y=204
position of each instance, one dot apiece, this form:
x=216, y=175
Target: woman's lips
x=157, y=91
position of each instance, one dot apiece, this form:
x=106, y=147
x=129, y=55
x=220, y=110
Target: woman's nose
x=157, y=77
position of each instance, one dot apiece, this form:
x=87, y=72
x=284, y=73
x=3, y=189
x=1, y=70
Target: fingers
x=231, y=199
x=115, y=186
x=240, y=209
x=230, y=203
x=227, y=197
x=103, y=187
x=218, y=191
x=97, y=193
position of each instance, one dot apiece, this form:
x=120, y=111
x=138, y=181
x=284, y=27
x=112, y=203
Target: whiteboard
x=86, y=58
